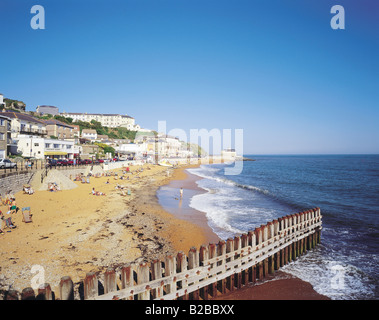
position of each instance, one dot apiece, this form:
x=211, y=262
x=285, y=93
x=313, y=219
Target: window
x=56, y=146
x=36, y=144
x=1, y=136
x=2, y=122
x=47, y=145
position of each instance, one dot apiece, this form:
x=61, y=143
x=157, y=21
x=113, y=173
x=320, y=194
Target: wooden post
x=213, y=254
x=302, y=240
x=204, y=256
x=230, y=257
x=193, y=263
x=66, y=288
x=28, y=294
x=156, y=274
x=287, y=233
x=244, y=252
x=290, y=232
x=282, y=235
x=238, y=275
x=143, y=276
x=252, y=242
x=259, y=266
x=110, y=282
x=276, y=235
x=181, y=266
x=91, y=288
x=11, y=295
x=127, y=279
x=222, y=254
x=44, y=292
x=271, y=240
x=297, y=243
x=170, y=270
x=265, y=241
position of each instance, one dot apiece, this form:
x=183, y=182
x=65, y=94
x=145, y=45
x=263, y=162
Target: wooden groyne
x=204, y=273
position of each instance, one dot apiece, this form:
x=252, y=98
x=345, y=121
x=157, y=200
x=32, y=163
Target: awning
x=55, y=153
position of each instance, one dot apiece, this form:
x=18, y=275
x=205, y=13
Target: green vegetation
x=105, y=148
x=14, y=104
x=196, y=149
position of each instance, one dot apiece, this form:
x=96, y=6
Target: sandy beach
x=74, y=232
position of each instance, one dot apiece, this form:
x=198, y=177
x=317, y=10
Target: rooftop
x=89, y=131
x=21, y=116
x=58, y=123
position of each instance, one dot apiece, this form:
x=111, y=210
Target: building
x=90, y=134
x=58, y=129
x=106, y=120
x=5, y=136
x=2, y=103
x=168, y=146
x=228, y=154
x=47, y=110
x=88, y=151
x=42, y=148
x=23, y=124
x=137, y=151
x=102, y=138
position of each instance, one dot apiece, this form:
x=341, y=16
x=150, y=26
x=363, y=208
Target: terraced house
x=23, y=125
x=5, y=136
x=59, y=129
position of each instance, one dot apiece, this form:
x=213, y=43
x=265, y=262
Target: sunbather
x=8, y=220
x=97, y=193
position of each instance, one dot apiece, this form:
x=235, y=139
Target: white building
x=106, y=119
x=90, y=134
x=2, y=103
x=41, y=148
x=228, y=154
x=23, y=124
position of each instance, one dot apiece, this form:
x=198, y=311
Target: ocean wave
x=208, y=173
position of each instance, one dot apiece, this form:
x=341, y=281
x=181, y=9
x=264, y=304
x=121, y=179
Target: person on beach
x=97, y=193
x=181, y=193
x=1, y=222
x=13, y=207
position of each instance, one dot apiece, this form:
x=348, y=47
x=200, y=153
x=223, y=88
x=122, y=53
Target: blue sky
x=275, y=69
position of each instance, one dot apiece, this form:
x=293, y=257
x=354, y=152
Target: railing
x=212, y=270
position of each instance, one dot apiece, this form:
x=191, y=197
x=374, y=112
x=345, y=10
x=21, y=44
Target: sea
x=345, y=187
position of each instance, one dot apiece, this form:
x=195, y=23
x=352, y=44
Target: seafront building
x=42, y=148
x=59, y=129
x=106, y=119
x=89, y=134
x=5, y=136
x=21, y=134
x=23, y=124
